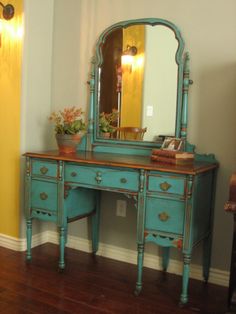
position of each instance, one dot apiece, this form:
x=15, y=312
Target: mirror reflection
x=138, y=80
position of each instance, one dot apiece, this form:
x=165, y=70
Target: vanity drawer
x=164, y=215
x=102, y=177
x=166, y=184
x=44, y=195
x=47, y=169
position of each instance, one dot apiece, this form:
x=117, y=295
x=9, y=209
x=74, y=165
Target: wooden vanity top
x=121, y=160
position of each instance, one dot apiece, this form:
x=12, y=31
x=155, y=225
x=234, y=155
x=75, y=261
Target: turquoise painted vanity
x=174, y=202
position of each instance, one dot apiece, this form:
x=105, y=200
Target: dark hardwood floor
x=93, y=284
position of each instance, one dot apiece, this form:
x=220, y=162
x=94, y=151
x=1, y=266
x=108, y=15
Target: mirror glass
x=138, y=83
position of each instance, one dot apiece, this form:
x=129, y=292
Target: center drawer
x=164, y=215
x=102, y=177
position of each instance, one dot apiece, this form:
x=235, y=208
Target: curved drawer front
x=44, y=195
x=164, y=215
x=166, y=184
x=86, y=198
x=45, y=169
x=102, y=177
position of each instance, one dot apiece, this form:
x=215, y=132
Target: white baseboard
x=217, y=276
x=17, y=244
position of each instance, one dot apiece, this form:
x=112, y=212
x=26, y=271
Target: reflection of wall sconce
x=127, y=58
x=7, y=13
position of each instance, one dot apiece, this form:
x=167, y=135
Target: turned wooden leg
x=95, y=225
x=140, y=269
x=29, y=238
x=185, y=279
x=62, y=249
x=165, y=257
x=206, y=257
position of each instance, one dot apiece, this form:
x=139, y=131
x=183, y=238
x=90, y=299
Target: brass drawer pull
x=123, y=180
x=73, y=174
x=163, y=216
x=98, y=177
x=44, y=170
x=43, y=196
x=165, y=186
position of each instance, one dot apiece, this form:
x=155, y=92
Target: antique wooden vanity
x=174, y=202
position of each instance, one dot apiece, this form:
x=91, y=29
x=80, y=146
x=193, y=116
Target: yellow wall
x=132, y=81
x=10, y=93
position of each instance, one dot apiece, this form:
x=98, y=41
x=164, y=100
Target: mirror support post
x=91, y=109
x=186, y=83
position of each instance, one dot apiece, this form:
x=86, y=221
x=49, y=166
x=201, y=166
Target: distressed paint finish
x=27, y=188
x=173, y=213
x=143, y=148
x=165, y=257
x=185, y=278
x=29, y=238
x=60, y=195
x=95, y=224
x=187, y=243
x=164, y=239
x=196, y=201
x=186, y=83
x=207, y=241
x=27, y=200
x=62, y=215
x=91, y=130
x=140, y=227
x=188, y=214
x=174, y=203
x=47, y=199
x=61, y=264
x=122, y=161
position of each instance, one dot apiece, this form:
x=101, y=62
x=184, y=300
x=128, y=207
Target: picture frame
x=173, y=144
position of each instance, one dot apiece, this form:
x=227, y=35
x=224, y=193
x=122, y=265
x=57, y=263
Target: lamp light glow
x=8, y=12
x=127, y=58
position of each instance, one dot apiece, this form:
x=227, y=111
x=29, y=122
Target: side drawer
x=44, y=195
x=164, y=215
x=46, y=169
x=166, y=184
x=102, y=177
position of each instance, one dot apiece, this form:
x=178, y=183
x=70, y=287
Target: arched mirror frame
x=96, y=143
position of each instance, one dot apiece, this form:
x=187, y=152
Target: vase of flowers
x=69, y=128
x=107, y=123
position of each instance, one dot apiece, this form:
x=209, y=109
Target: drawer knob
x=73, y=174
x=43, y=196
x=44, y=170
x=98, y=177
x=163, y=216
x=123, y=180
x=165, y=186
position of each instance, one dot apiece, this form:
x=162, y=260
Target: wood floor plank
x=93, y=284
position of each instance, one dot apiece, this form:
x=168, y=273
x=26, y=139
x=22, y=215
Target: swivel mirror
x=137, y=92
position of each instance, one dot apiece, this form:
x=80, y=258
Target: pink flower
x=68, y=121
